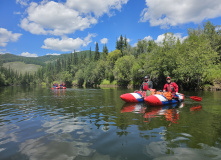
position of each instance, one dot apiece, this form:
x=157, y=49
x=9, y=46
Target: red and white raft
x=160, y=100
x=59, y=87
x=137, y=96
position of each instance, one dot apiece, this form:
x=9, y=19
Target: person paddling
x=146, y=85
x=171, y=87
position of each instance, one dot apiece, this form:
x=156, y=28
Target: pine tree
x=97, y=54
x=117, y=45
x=125, y=42
x=105, y=52
x=121, y=44
x=75, y=58
x=90, y=56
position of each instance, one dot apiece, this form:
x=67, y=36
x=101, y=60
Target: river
x=95, y=124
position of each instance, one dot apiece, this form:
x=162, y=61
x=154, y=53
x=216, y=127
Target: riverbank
x=215, y=87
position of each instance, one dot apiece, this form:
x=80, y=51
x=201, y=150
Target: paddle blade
x=195, y=98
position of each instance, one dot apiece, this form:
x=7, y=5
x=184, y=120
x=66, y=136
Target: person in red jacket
x=171, y=87
x=147, y=84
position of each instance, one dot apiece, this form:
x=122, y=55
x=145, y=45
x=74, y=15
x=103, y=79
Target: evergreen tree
x=90, y=56
x=121, y=44
x=105, y=52
x=117, y=45
x=125, y=42
x=75, y=58
x=97, y=54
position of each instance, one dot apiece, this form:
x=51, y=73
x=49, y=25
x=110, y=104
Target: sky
x=34, y=28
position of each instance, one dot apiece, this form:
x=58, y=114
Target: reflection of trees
x=99, y=111
x=193, y=129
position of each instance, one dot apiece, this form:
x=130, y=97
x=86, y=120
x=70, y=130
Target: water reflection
x=55, y=147
x=196, y=108
x=59, y=92
x=133, y=107
x=170, y=112
x=95, y=124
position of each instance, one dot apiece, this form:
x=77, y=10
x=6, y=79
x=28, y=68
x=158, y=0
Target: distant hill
x=31, y=64
x=42, y=60
x=4, y=58
x=21, y=67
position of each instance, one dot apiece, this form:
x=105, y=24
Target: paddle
x=195, y=98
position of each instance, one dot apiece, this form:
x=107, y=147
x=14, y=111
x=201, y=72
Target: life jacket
x=145, y=86
x=170, y=87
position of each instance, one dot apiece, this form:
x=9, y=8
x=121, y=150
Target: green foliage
x=213, y=74
x=79, y=77
x=105, y=52
x=107, y=82
x=97, y=54
x=113, y=56
x=195, y=61
x=2, y=79
x=192, y=63
x=98, y=73
x=123, y=69
x=121, y=44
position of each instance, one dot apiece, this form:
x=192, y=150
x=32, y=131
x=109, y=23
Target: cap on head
x=145, y=77
x=168, y=77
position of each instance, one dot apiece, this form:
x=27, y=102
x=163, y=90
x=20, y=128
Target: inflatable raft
x=59, y=88
x=137, y=96
x=160, y=99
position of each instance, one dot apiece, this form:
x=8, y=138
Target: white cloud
x=55, y=18
x=97, y=7
x=128, y=40
x=104, y=41
x=27, y=54
x=22, y=2
x=16, y=13
x=7, y=36
x=161, y=37
x=134, y=45
x=67, y=44
x=148, y=38
x=175, y=12
x=54, y=54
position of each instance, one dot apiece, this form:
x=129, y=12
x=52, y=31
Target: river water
x=95, y=124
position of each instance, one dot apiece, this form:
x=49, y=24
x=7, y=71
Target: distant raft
x=59, y=87
x=160, y=99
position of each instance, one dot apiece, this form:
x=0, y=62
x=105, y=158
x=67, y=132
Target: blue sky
x=39, y=27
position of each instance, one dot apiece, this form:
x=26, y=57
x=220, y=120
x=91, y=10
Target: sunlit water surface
x=95, y=124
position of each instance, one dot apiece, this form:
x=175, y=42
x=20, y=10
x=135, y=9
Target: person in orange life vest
x=171, y=87
x=147, y=84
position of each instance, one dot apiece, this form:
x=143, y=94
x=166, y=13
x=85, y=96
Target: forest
x=193, y=63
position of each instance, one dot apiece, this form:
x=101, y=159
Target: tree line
x=192, y=63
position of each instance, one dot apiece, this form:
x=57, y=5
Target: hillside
x=42, y=60
x=4, y=58
x=21, y=67
x=31, y=64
